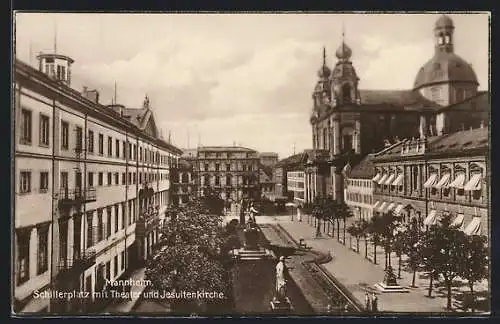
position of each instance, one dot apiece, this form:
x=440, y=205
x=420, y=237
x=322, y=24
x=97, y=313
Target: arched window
x=447, y=39
x=346, y=92
x=440, y=39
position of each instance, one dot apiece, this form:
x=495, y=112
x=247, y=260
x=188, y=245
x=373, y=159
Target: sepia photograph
x=250, y=164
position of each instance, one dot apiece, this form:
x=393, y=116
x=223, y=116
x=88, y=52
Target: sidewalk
x=123, y=305
x=359, y=275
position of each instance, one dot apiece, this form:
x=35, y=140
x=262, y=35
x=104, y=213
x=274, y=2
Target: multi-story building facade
x=359, y=188
x=233, y=171
x=349, y=122
x=280, y=170
x=268, y=158
x=183, y=182
x=297, y=186
x=90, y=182
x=266, y=181
x=422, y=179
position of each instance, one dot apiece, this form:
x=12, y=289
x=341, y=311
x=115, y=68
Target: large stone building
x=295, y=162
x=349, y=122
x=422, y=179
x=233, y=171
x=90, y=184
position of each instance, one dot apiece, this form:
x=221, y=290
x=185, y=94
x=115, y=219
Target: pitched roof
x=455, y=143
x=189, y=153
x=293, y=160
x=264, y=177
x=317, y=155
x=268, y=154
x=184, y=164
x=396, y=98
x=365, y=169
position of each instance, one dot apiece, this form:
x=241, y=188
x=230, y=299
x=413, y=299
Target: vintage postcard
x=207, y=164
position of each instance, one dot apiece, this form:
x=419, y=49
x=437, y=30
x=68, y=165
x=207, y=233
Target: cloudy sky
x=244, y=78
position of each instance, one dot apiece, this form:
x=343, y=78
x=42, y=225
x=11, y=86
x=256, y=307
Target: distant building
x=280, y=170
x=422, y=179
x=268, y=158
x=266, y=181
x=183, y=181
x=359, y=188
x=233, y=171
x=296, y=186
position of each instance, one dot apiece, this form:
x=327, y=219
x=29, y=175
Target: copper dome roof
x=344, y=52
x=443, y=22
x=445, y=67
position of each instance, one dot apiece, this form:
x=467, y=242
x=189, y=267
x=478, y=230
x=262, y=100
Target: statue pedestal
x=281, y=306
x=244, y=254
x=390, y=284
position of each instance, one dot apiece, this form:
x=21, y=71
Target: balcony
x=76, y=196
x=76, y=266
x=148, y=219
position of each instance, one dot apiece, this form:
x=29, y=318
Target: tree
x=443, y=252
x=189, y=255
x=412, y=247
x=399, y=243
x=341, y=211
x=474, y=264
x=357, y=229
x=320, y=211
x=374, y=230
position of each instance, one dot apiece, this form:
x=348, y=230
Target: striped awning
x=474, y=183
x=399, y=209
x=474, y=227
x=390, y=179
x=382, y=180
x=390, y=207
x=382, y=206
x=458, y=182
x=376, y=204
x=399, y=180
x=377, y=177
x=431, y=219
x=443, y=182
x=431, y=180
x=458, y=221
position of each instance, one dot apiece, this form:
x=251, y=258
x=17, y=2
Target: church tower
x=343, y=79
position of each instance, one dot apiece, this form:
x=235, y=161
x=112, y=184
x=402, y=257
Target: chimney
x=92, y=95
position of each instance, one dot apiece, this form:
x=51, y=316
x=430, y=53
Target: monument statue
x=251, y=233
x=390, y=277
x=280, y=279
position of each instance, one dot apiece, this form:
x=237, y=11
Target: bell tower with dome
x=446, y=78
x=343, y=79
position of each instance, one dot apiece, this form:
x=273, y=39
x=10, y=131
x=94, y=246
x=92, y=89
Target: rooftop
x=365, y=169
x=455, y=143
x=224, y=149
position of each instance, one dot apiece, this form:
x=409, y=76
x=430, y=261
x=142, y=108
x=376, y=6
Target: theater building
x=350, y=122
x=428, y=177
x=90, y=183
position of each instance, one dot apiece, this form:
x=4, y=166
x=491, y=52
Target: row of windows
x=229, y=180
x=94, y=179
x=295, y=174
x=295, y=184
x=228, y=167
x=415, y=181
x=359, y=183
x=118, y=150
x=227, y=155
x=360, y=198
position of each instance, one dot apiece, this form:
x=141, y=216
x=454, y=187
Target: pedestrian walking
x=299, y=214
x=367, y=302
x=374, y=303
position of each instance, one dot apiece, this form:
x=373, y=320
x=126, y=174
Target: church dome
x=444, y=22
x=324, y=72
x=344, y=52
x=445, y=67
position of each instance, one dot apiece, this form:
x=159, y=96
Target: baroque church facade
x=349, y=122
